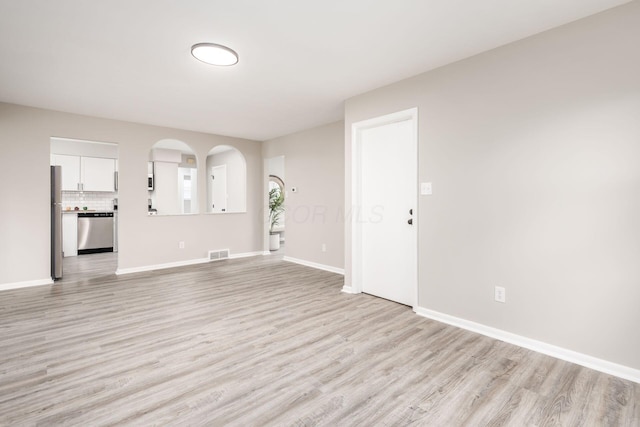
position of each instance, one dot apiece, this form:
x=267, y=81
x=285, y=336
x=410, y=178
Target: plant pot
x=274, y=241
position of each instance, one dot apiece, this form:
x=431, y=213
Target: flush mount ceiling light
x=214, y=54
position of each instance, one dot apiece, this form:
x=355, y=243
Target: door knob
x=410, y=222
x=410, y=211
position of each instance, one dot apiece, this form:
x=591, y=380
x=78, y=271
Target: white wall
x=143, y=240
x=532, y=149
x=314, y=215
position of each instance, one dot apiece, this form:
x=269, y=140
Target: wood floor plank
x=263, y=342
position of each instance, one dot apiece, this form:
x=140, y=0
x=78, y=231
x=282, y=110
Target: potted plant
x=276, y=208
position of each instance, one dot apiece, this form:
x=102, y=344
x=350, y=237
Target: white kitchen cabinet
x=70, y=234
x=81, y=173
x=97, y=174
x=70, y=171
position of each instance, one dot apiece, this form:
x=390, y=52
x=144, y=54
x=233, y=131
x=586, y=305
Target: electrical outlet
x=181, y=245
x=500, y=294
x=324, y=247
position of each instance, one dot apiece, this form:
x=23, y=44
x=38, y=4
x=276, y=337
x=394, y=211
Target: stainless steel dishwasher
x=95, y=232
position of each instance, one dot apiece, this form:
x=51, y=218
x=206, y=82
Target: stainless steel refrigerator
x=56, y=222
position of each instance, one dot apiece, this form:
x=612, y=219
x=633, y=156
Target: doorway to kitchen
x=84, y=214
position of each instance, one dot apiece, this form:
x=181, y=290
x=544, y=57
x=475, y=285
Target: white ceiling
x=299, y=59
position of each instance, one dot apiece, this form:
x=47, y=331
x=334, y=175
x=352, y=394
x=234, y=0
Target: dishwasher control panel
x=95, y=214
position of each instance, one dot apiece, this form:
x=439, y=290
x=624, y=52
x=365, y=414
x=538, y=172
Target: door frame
x=357, y=129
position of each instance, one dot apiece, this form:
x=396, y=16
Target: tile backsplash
x=99, y=201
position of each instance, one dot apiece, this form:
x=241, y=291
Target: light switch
x=425, y=189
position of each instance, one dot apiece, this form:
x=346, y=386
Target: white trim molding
x=315, y=265
x=245, y=255
x=144, y=268
x=585, y=360
x=27, y=284
x=348, y=289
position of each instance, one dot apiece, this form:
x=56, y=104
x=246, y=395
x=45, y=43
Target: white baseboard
x=161, y=266
x=315, y=265
x=245, y=255
x=179, y=263
x=585, y=360
x=349, y=290
x=27, y=284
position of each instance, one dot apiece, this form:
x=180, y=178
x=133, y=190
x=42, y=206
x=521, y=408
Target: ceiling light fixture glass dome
x=214, y=54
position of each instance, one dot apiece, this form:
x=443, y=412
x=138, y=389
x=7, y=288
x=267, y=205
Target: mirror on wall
x=226, y=180
x=172, y=175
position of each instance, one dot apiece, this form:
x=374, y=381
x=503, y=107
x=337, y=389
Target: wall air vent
x=218, y=255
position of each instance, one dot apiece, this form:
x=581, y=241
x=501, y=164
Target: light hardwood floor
x=259, y=342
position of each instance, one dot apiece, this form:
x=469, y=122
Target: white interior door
x=385, y=250
x=219, y=188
